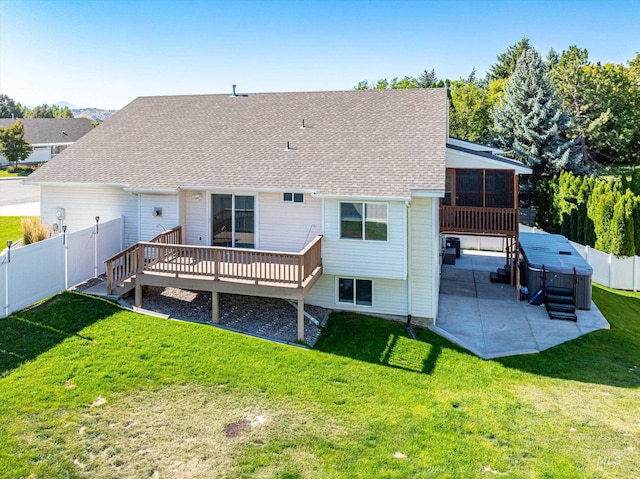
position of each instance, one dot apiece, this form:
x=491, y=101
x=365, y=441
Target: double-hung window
x=364, y=221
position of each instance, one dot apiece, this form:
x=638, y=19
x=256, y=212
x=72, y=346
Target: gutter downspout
x=407, y=223
x=436, y=257
x=139, y=217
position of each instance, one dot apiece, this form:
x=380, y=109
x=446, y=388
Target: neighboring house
x=49, y=136
x=252, y=180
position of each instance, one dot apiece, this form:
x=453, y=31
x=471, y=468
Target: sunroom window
x=363, y=221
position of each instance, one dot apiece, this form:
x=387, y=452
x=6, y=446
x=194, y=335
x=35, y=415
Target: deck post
x=215, y=307
x=301, y=319
x=138, y=295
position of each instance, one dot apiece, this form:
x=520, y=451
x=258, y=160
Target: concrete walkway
x=486, y=319
x=18, y=199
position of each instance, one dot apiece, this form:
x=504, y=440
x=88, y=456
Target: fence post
x=5, y=261
x=610, y=268
x=95, y=249
x=66, y=257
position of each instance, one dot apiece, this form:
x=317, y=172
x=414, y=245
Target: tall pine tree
x=530, y=124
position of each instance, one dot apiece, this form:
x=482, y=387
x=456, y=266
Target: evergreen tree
x=427, y=79
x=507, y=61
x=530, y=124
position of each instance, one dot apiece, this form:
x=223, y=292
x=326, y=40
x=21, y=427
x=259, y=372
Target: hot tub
x=558, y=257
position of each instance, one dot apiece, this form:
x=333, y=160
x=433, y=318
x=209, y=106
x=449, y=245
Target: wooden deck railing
x=256, y=266
x=468, y=219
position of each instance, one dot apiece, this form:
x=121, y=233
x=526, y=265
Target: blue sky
x=106, y=53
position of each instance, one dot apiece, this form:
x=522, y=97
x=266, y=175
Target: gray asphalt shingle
x=372, y=143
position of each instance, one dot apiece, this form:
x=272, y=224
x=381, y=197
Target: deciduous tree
x=12, y=144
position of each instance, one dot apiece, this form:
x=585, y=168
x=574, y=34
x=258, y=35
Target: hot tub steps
x=563, y=316
x=560, y=303
x=559, y=299
x=559, y=291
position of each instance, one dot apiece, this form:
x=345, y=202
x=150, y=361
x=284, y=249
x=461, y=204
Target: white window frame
x=293, y=198
x=364, y=221
x=353, y=303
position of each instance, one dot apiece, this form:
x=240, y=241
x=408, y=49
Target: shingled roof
x=367, y=143
x=51, y=131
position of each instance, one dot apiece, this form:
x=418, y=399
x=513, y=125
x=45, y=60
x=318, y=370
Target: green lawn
x=90, y=390
x=22, y=171
x=9, y=230
x=617, y=171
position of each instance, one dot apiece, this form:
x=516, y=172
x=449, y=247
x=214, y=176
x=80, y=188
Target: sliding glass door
x=233, y=220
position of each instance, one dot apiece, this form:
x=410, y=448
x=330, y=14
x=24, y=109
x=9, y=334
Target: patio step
x=560, y=299
x=501, y=276
x=559, y=291
x=563, y=316
x=560, y=308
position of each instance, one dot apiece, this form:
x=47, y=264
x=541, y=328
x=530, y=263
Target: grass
x=9, y=229
x=617, y=171
x=10, y=172
x=90, y=390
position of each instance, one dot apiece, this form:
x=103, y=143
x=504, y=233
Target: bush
x=33, y=230
x=604, y=214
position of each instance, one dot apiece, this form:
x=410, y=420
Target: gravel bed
x=265, y=317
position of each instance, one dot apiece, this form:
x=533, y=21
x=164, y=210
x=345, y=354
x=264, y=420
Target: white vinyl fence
x=34, y=272
x=608, y=270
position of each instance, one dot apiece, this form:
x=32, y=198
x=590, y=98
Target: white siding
x=365, y=259
x=40, y=155
x=287, y=226
x=196, y=220
x=389, y=296
x=458, y=159
x=82, y=204
x=422, y=224
x=151, y=225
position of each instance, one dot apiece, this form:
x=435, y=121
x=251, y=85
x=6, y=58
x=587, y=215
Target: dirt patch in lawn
x=200, y=432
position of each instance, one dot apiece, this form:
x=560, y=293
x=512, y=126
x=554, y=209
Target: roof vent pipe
x=233, y=87
x=303, y=125
x=288, y=148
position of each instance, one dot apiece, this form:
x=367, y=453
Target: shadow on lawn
x=28, y=333
x=609, y=357
x=382, y=342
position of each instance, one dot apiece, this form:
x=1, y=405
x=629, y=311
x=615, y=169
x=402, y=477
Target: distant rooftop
x=50, y=131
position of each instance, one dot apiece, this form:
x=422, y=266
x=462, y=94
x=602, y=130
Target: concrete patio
x=486, y=319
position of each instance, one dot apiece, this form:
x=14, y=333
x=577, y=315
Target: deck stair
x=502, y=275
x=560, y=302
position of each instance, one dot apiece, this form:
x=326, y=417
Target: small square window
x=355, y=291
x=293, y=197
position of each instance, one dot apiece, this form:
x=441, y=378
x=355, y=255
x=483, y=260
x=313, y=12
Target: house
x=49, y=136
x=338, y=199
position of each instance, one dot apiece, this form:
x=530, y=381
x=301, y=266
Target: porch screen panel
x=448, y=188
x=499, y=188
x=468, y=187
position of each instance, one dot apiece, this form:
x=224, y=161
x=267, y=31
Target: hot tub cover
x=544, y=249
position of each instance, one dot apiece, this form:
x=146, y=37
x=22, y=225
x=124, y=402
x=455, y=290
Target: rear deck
x=164, y=261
